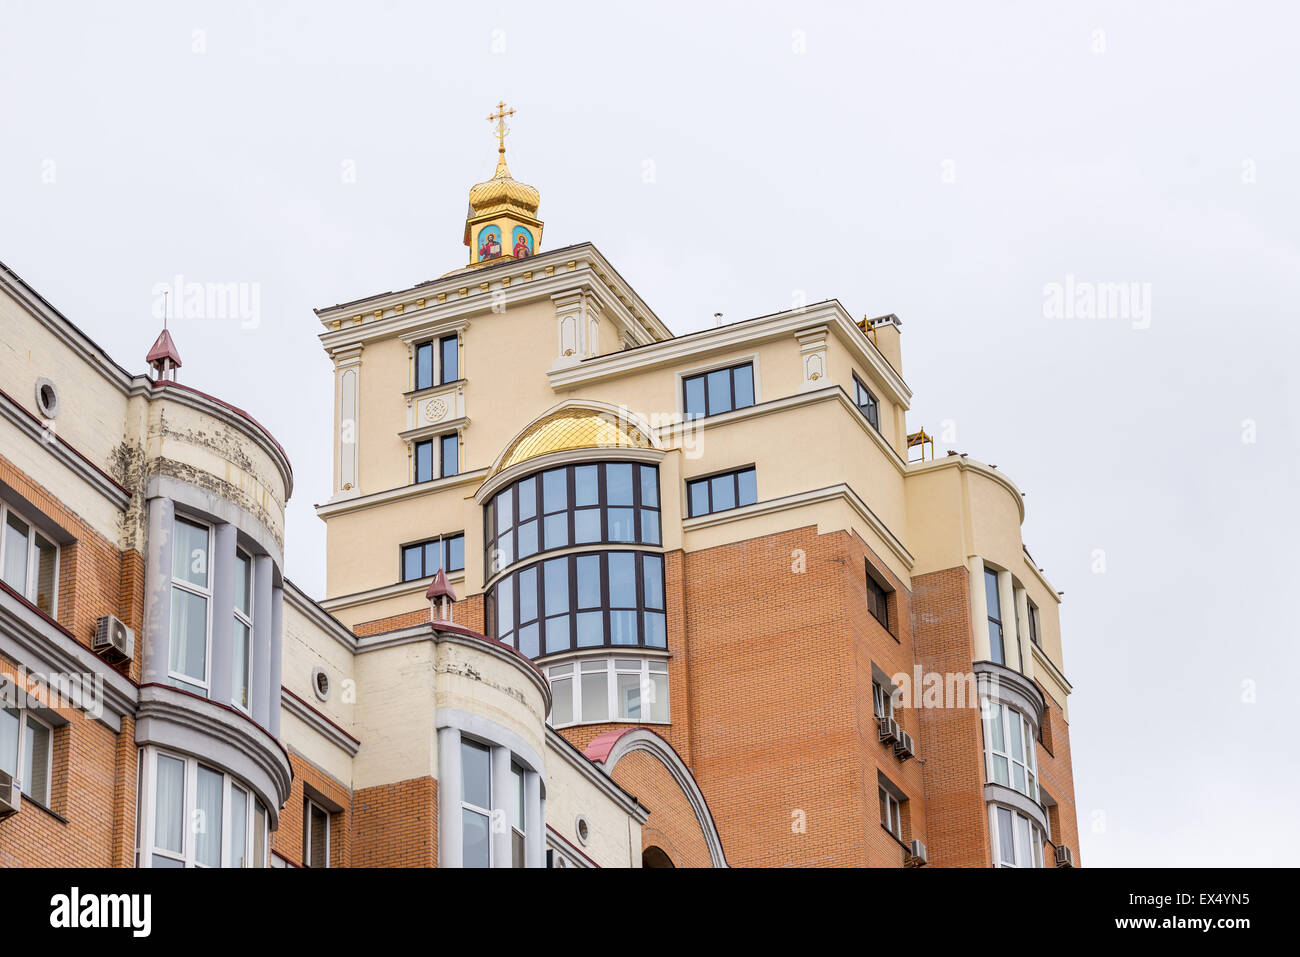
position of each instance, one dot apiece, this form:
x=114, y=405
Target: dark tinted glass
x=744, y=383
x=424, y=365
x=450, y=363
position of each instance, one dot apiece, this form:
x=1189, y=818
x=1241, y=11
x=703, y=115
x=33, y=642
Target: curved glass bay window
x=593, y=690
x=599, y=503
x=1017, y=841
x=581, y=601
x=1009, y=744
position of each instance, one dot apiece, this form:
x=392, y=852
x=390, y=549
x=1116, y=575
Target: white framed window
x=1017, y=841
x=891, y=813
x=191, y=605
x=882, y=700
x=316, y=835
x=475, y=804
x=518, y=817
x=27, y=752
x=194, y=815
x=609, y=689
x=1009, y=748
x=241, y=655
x=29, y=562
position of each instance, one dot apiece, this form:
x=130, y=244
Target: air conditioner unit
x=1064, y=857
x=113, y=640
x=11, y=799
x=904, y=747
x=888, y=729
x=916, y=855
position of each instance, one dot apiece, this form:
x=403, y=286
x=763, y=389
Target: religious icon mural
x=523, y=243
x=489, y=242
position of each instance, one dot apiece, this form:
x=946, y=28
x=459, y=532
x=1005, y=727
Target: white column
x=979, y=609
x=501, y=802
x=220, y=683
x=534, y=821
x=157, y=591
x=450, y=850
x=1010, y=634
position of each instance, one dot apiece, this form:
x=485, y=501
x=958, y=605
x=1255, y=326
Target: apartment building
x=596, y=595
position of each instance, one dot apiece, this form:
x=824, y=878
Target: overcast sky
x=941, y=162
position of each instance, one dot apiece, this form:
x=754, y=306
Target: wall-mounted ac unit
x=888, y=729
x=1064, y=857
x=113, y=641
x=11, y=799
x=904, y=747
x=916, y=855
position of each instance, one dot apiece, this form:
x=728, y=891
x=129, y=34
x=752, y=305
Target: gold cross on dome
x=500, y=130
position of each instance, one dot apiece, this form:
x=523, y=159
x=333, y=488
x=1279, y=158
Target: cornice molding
x=397, y=590
x=562, y=748
x=965, y=463
x=318, y=615
x=372, y=499
x=319, y=723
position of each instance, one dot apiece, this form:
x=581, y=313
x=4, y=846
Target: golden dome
x=568, y=429
x=503, y=193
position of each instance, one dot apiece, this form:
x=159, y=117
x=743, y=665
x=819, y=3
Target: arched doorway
x=655, y=857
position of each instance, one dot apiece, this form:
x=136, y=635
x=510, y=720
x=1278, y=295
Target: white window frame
x=306, y=835
x=20, y=755
x=882, y=700
x=206, y=683
x=894, y=810
x=484, y=811
x=646, y=666
x=33, y=571
x=1031, y=856
x=246, y=620
x=519, y=775
x=1030, y=763
x=147, y=796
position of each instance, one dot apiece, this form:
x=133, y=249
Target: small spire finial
x=499, y=128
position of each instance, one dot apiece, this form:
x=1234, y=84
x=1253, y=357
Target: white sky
x=774, y=172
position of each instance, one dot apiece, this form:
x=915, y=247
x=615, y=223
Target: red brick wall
x=396, y=825
x=1056, y=774
x=672, y=825
x=287, y=839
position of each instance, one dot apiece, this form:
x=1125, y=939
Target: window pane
x=557, y=530
x=719, y=391
x=588, y=581
x=748, y=487
x=505, y=593
x=1000, y=775
x=618, y=484
x=423, y=461
x=699, y=494
x=1005, y=836
x=658, y=690
x=1018, y=778
x=424, y=365
x=243, y=583
x=47, y=555
x=475, y=775
x=991, y=594
x=36, y=762
x=695, y=396
x=476, y=847
x=159, y=861
x=995, y=643
x=432, y=557
x=450, y=360
x=586, y=525
x=629, y=697
x=562, y=701
x=649, y=527
x=259, y=836
x=169, y=804
x=528, y=539
x=656, y=630
x=528, y=498
x=516, y=797
x=595, y=697
x=207, y=824
x=591, y=629
x=505, y=551
x=239, y=664
x=724, y=492
x=505, y=510
x=411, y=562
x=622, y=628
x=529, y=636
x=555, y=490
x=653, y=580
x=455, y=553
x=1017, y=739
x=994, y=726
x=516, y=849
x=189, y=639
x=744, y=376
x=9, y=728
x=622, y=580
x=318, y=836
x=621, y=528
x=557, y=634
x=189, y=553
x=450, y=455
x=1022, y=839
x=649, y=486
x=585, y=485
x=238, y=827
x=556, y=579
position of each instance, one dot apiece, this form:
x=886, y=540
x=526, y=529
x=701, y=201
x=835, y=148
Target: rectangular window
x=866, y=402
x=719, y=493
x=191, y=596
x=518, y=828
x=891, y=814
x=424, y=365
x=27, y=752
x=882, y=700
x=29, y=562
x=877, y=600
x=242, y=654
x=450, y=457
x=712, y=393
x=424, y=461
x=450, y=357
x=316, y=836
x=633, y=689
x=201, y=817
x=424, y=559
x=207, y=817
x=1033, y=625
x=996, y=651
x=475, y=804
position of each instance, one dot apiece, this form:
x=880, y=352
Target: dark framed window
x=449, y=354
x=996, y=650
x=1033, y=625
x=718, y=493
x=450, y=458
x=593, y=600
x=423, y=365
x=422, y=559
x=877, y=600
x=866, y=402
x=589, y=504
x=424, y=461
x=712, y=393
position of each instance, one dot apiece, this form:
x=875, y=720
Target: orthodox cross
x=500, y=130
